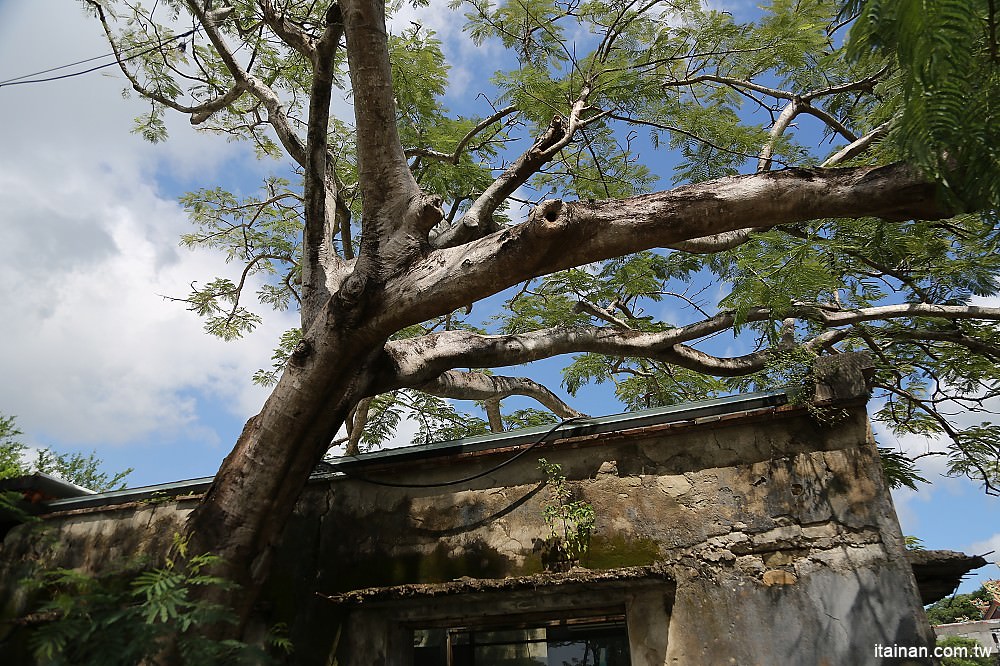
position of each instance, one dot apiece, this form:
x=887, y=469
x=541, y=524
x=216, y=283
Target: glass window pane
x=564, y=644
x=430, y=647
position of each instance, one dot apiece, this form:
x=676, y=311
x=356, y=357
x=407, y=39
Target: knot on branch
x=300, y=353
x=546, y=212
x=553, y=135
x=425, y=211
x=352, y=289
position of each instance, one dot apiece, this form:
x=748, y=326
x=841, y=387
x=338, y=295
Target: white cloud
x=89, y=337
x=92, y=353
x=990, y=545
x=930, y=465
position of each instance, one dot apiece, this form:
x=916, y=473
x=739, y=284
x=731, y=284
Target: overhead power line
x=24, y=78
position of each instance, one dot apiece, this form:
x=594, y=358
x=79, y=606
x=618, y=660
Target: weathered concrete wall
x=982, y=631
x=778, y=532
x=766, y=538
x=123, y=537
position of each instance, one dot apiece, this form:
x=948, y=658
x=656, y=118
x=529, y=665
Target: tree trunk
x=242, y=515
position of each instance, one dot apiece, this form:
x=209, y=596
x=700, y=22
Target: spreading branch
x=455, y=155
x=412, y=360
x=276, y=114
x=459, y=385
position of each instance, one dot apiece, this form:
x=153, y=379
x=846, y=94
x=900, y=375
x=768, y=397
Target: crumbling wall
x=771, y=534
x=123, y=538
x=777, y=530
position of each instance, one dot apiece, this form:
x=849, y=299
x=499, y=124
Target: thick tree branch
x=906, y=310
x=288, y=32
x=796, y=104
x=382, y=168
x=356, y=422
x=712, y=244
x=788, y=114
x=395, y=216
x=858, y=146
x=493, y=415
x=411, y=362
x=560, y=235
x=320, y=183
x=830, y=121
x=600, y=313
x=791, y=111
x=203, y=112
x=414, y=359
x=478, y=220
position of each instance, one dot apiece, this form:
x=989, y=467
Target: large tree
x=816, y=188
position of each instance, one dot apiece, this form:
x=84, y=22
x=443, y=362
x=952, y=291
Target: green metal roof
x=690, y=411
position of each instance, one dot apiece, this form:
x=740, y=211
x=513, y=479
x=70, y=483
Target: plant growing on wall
x=955, y=644
x=570, y=521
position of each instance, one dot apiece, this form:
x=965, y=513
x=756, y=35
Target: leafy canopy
x=666, y=93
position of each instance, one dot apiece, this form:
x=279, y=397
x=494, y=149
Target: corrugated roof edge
x=47, y=483
x=689, y=411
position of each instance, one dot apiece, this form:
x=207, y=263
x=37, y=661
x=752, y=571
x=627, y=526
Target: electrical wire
x=56, y=69
x=455, y=482
x=18, y=80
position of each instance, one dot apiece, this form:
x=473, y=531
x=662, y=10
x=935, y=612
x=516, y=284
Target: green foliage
x=11, y=465
x=959, y=608
x=785, y=368
x=436, y=419
x=772, y=272
x=641, y=383
x=570, y=522
x=11, y=450
x=528, y=418
x=260, y=232
x=83, y=470
x=949, y=86
x=913, y=543
x=286, y=345
x=975, y=453
x=899, y=471
x=126, y=618
x=967, y=646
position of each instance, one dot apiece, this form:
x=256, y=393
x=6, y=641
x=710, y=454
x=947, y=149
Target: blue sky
x=95, y=359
